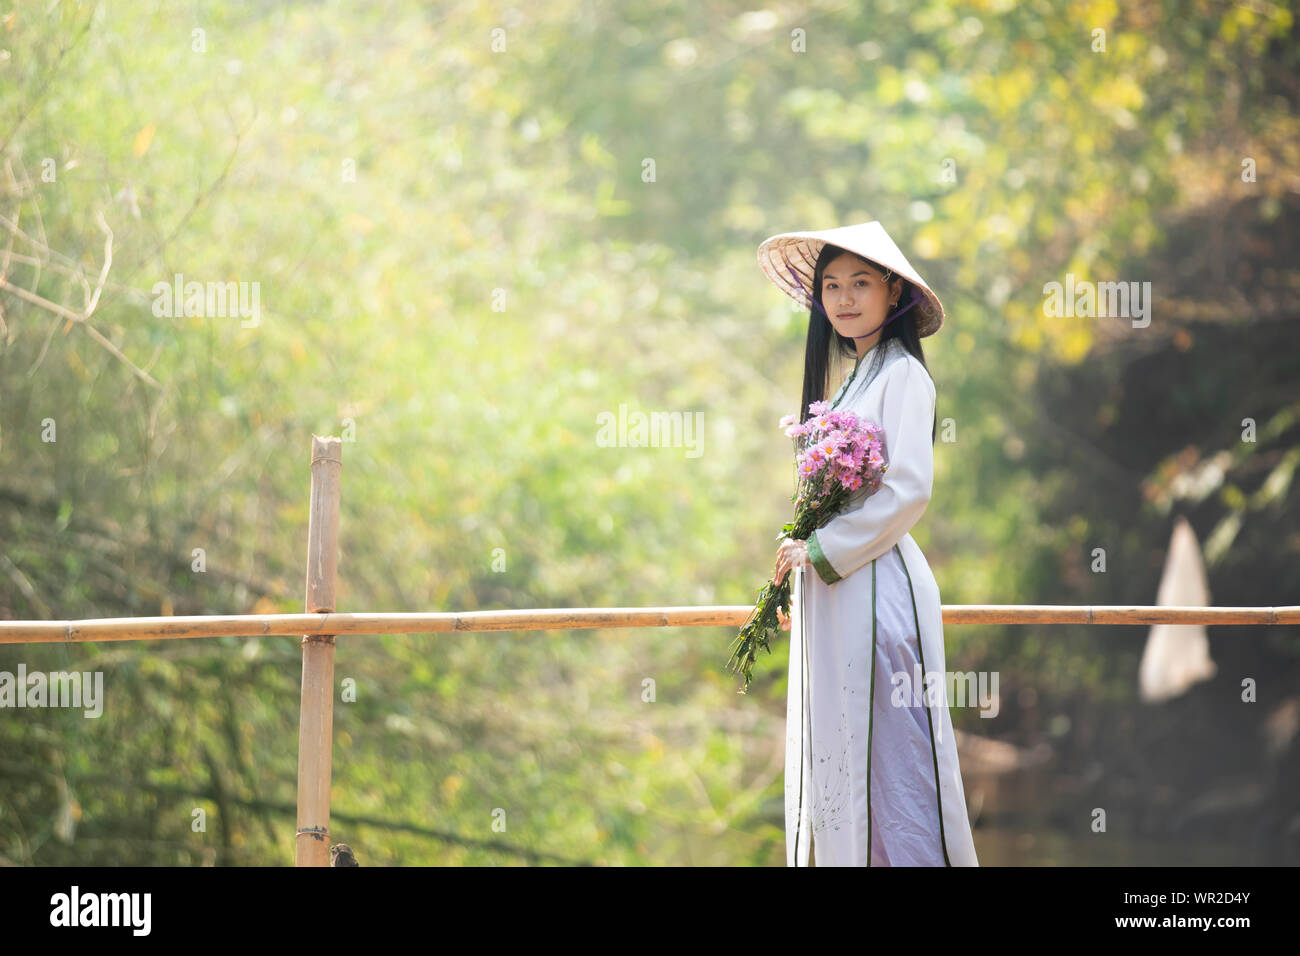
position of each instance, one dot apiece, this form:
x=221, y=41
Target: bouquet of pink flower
x=837, y=454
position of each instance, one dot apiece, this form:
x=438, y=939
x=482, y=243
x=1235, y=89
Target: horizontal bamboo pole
x=560, y=619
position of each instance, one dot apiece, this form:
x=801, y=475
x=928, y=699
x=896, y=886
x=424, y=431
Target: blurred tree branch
x=91, y=296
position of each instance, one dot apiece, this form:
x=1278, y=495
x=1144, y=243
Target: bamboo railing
x=565, y=619
x=321, y=624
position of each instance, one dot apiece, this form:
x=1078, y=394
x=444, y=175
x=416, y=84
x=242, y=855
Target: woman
x=871, y=761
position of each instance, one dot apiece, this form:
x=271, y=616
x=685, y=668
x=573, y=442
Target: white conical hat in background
x=1178, y=655
x=790, y=259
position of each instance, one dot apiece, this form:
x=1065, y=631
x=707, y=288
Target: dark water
x=1045, y=817
x=1041, y=845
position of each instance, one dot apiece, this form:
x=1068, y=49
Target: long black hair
x=823, y=340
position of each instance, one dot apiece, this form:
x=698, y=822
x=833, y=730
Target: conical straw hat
x=790, y=258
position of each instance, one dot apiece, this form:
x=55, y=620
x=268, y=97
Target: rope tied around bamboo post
x=316, y=716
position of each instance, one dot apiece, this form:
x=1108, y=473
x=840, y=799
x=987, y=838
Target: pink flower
x=837, y=453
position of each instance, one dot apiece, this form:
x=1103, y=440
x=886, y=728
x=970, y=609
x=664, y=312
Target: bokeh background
x=476, y=227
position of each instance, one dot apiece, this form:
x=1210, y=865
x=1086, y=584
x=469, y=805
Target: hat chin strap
x=916, y=297
x=884, y=323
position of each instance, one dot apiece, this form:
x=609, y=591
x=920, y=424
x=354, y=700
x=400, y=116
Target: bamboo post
x=316, y=718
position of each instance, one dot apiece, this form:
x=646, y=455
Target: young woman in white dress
x=872, y=777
